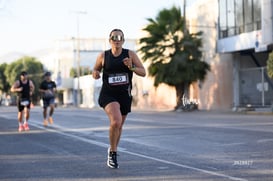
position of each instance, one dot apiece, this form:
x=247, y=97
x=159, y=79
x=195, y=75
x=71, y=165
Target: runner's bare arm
x=136, y=65
x=98, y=66
x=32, y=87
x=15, y=87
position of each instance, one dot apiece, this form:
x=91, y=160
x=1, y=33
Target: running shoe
x=21, y=128
x=50, y=119
x=112, y=159
x=45, y=122
x=108, y=151
x=26, y=126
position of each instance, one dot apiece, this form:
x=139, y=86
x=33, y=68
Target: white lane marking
x=185, y=166
x=264, y=140
x=123, y=150
x=7, y=116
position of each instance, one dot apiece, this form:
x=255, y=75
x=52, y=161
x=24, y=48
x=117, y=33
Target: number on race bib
x=118, y=79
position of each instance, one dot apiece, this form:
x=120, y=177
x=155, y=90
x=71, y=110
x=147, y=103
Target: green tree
x=269, y=65
x=173, y=53
x=73, y=72
x=83, y=71
x=29, y=64
x=4, y=85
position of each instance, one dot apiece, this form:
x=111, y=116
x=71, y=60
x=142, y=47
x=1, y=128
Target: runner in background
x=48, y=90
x=24, y=88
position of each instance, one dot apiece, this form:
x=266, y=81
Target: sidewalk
x=242, y=110
x=256, y=111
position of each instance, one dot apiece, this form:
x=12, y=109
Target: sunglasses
x=116, y=38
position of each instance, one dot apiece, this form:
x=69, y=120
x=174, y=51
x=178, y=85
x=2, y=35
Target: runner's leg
x=120, y=129
x=113, y=111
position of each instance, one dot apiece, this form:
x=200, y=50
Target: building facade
x=237, y=40
x=245, y=33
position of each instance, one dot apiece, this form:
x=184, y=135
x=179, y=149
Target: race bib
x=49, y=95
x=118, y=79
x=24, y=102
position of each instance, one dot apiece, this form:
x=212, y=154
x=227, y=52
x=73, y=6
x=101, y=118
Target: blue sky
x=29, y=25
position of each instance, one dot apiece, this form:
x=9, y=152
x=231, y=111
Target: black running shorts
x=124, y=100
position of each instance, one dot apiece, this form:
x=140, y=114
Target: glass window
x=248, y=15
x=257, y=14
x=231, y=18
x=223, y=18
x=239, y=18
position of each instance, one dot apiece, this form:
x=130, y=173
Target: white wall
x=243, y=41
x=216, y=91
x=90, y=90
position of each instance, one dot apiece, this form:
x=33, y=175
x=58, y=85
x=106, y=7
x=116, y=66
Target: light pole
x=78, y=13
x=184, y=14
x=184, y=35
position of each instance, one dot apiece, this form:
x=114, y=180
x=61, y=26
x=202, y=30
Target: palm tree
x=269, y=65
x=173, y=53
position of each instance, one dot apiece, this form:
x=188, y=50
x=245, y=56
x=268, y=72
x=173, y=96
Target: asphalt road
x=190, y=146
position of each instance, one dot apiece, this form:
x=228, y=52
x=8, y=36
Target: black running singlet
x=25, y=93
x=116, y=76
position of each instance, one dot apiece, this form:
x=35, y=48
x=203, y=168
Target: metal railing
x=255, y=87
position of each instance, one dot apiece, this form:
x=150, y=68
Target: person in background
x=48, y=90
x=117, y=65
x=24, y=88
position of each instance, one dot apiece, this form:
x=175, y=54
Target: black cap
x=23, y=73
x=47, y=74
